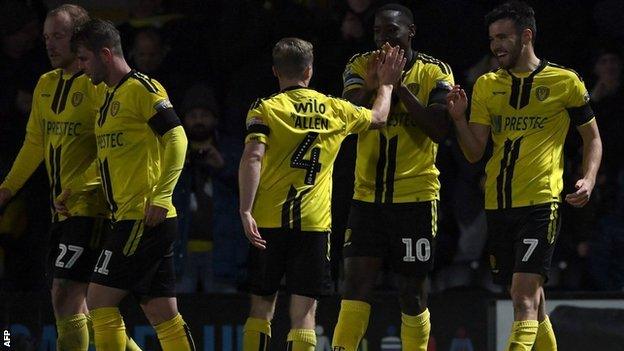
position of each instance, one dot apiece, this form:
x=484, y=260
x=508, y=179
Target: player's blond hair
x=77, y=14
x=291, y=57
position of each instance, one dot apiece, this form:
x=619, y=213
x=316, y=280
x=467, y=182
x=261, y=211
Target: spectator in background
x=607, y=95
x=149, y=55
x=207, y=191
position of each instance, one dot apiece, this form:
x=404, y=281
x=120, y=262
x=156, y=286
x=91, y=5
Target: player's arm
x=167, y=126
x=582, y=116
x=248, y=181
x=29, y=157
x=387, y=72
x=472, y=137
x=359, y=88
x=432, y=119
x=592, y=154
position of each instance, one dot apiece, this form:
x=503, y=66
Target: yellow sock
x=351, y=326
x=109, y=329
x=522, y=336
x=301, y=340
x=256, y=335
x=415, y=331
x=130, y=344
x=545, y=339
x=174, y=335
x=73, y=334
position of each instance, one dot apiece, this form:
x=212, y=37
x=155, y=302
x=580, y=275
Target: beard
x=512, y=56
x=199, y=133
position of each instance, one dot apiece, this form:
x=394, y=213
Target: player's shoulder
x=143, y=83
x=359, y=58
x=492, y=76
x=561, y=71
x=262, y=102
x=51, y=75
x=432, y=63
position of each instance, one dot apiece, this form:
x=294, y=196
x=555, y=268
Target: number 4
x=312, y=166
x=532, y=245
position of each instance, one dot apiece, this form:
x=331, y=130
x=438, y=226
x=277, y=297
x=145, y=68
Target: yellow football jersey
x=396, y=164
x=60, y=132
x=129, y=151
x=303, y=130
x=529, y=116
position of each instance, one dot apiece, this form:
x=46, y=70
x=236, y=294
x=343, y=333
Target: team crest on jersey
x=414, y=88
x=114, y=108
x=77, y=98
x=542, y=93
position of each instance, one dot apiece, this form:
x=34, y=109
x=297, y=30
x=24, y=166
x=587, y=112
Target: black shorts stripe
x=580, y=115
x=381, y=166
x=164, y=121
x=392, y=155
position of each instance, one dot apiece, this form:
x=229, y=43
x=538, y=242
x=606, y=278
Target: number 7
x=532, y=245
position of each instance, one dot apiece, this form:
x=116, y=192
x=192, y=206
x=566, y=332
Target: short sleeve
x=442, y=83
x=478, y=110
x=356, y=118
x=577, y=105
x=355, y=73
x=257, y=126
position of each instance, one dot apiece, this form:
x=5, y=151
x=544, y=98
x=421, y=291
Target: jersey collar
x=542, y=64
x=294, y=87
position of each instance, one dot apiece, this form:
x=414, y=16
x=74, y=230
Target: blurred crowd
x=214, y=59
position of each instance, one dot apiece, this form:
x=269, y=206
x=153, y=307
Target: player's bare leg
x=257, y=331
x=415, y=322
x=302, y=322
x=525, y=294
x=360, y=277
x=163, y=315
x=545, y=339
x=70, y=311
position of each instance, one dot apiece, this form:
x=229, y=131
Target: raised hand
x=457, y=103
x=390, y=68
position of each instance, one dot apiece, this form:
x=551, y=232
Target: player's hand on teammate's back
x=154, y=215
x=581, y=196
x=251, y=231
x=60, y=203
x=390, y=66
x=457, y=103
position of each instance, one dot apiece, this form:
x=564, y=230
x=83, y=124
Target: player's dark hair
x=291, y=56
x=518, y=11
x=77, y=14
x=405, y=12
x=97, y=34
